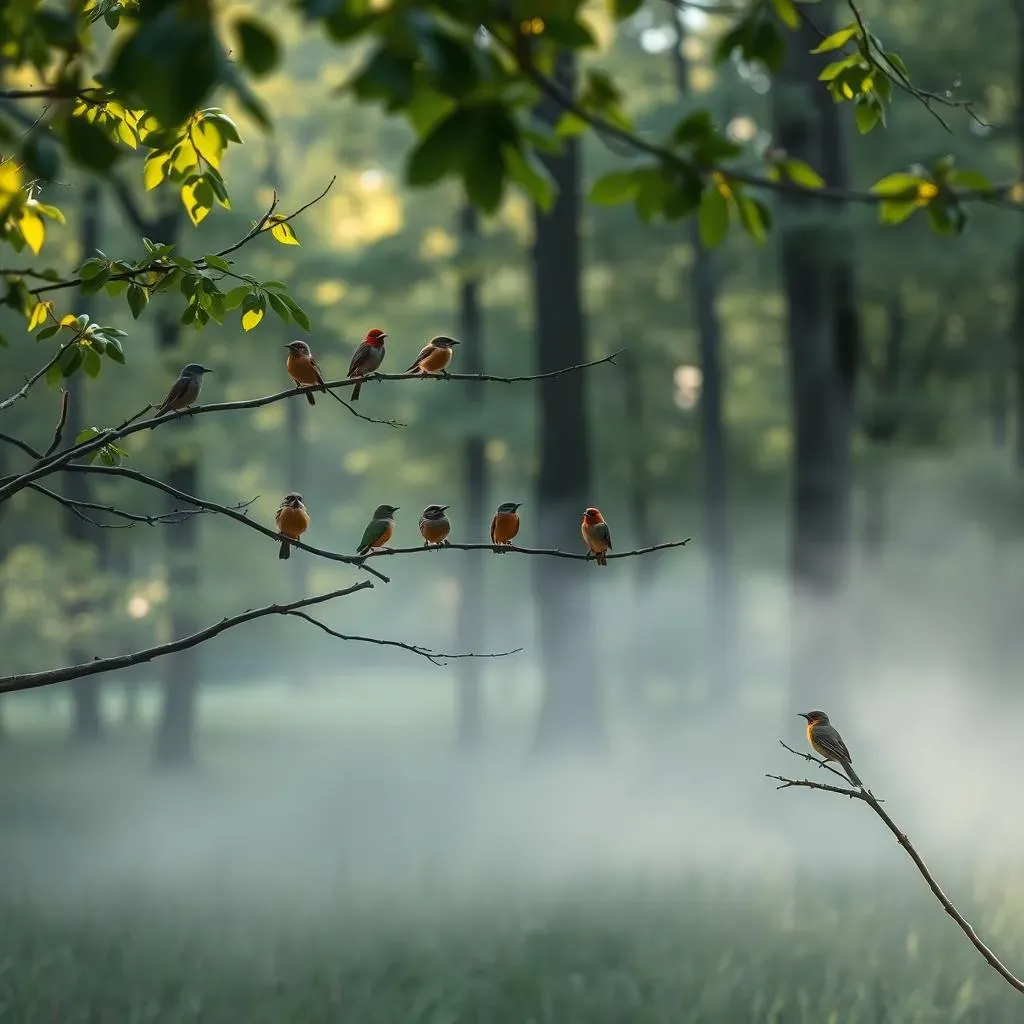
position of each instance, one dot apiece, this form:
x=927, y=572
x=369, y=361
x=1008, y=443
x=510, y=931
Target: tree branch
x=24, y=390
x=434, y=657
x=550, y=552
x=33, y=680
x=58, y=433
x=18, y=443
x=868, y=798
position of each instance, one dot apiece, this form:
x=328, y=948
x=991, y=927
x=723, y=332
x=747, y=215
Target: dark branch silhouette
x=550, y=552
x=58, y=432
x=867, y=797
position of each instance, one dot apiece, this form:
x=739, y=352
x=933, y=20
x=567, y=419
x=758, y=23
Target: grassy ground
x=254, y=891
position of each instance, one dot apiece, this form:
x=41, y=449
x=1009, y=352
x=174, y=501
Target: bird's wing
x=316, y=369
x=177, y=390
x=374, y=529
x=494, y=523
x=829, y=739
x=600, y=531
x=357, y=358
x=423, y=353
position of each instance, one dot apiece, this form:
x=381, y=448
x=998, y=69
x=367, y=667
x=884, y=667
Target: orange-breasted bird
x=292, y=521
x=826, y=741
x=367, y=358
x=434, y=525
x=379, y=529
x=505, y=524
x=434, y=356
x=303, y=368
x=596, y=535
x=185, y=390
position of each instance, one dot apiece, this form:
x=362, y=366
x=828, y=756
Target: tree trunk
x=86, y=694
x=822, y=338
x=174, y=738
x=1017, y=330
x=472, y=618
x=571, y=706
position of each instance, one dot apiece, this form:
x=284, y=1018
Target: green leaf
x=216, y=262
x=897, y=184
x=697, y=125
x=970, y=179
x=787, y=13
x=138, y=297
x=753, y=217
x=832, y=71
x=441, y=151
x=713, y=217
x=388, y=76
x=801, y=173
x=612, y=189
x=866, y=116
x=897, y=62
x=234, y=298
x=895, y=211
x=298, y=313
x=90, y=268
x=88, y=146
x=92, y=362
x=70, y=361
x=280, y=307
x=115, y=351
x=536, y=180
x=837, y=39
x=259, y=50
x=91, y=285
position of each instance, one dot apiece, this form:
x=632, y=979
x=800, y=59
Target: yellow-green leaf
x=154, y=170
x=284, y=234
x=197, y=197
x=787, y=13
x=801, y=173
x=38, y=316
x=713, y=216
x=837, y=39
x=251, y=318
x=208, y=142
x=31, y=227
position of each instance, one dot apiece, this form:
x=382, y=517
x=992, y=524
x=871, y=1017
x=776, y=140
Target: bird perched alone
x=379, y=529
x=185, y=390
x=596, y=535
x=303, y=368
x=292, y=521
x=434, y=356
x=434, y=525
x=505, y=524
x=824, y=738
x=367, y=358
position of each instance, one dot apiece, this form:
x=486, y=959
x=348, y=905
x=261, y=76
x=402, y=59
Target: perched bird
x=434, y=525
x=505, y=524
x=367, y=358
x=434, y=356
x=292, y=521
x=379, y=529
x=596, y=535
x=185, y=390
x=303, y=368
x=826, y=741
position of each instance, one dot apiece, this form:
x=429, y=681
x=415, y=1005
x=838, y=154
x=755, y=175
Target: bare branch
x=18, y=443
x=867, y=797
x=58, y=433
x=550, y=552
x=434, y=657
x=41, y=372
x=33, y=680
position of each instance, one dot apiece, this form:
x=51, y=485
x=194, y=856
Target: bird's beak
x=444, y=508
x=395, y=508
x=207, y=369
x=804, y=714
x=454, y=342
x=288, y=346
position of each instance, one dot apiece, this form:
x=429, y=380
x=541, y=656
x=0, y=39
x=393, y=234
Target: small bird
x=596, y=535
x=367, y=358
x=303, y=368
x=826, y=741
x=505, y=524
x=185, y=390
x=434, y=356
x=292, y=521
x=434, y=525
x=379, y=529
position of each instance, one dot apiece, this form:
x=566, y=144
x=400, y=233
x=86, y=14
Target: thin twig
x=550, y=552
x=24, y=390
x=33, y=680
x=434, y=657
x=58, y=433
x=875, y=804
x=18, y=443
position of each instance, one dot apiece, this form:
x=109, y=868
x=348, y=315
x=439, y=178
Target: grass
x=295, y=878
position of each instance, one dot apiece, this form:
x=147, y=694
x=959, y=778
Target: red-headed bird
x=292, y=521
x=434, y=356
x=505, y=524
x=303, y=368
x=434, y=525
x=367, y=358
x=596, y=535
x=379, y=529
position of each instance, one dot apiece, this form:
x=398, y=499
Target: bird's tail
x=310, y=398
x=363, y=551
x=286, y=550
x=601, y=557
x=851, y=774
x=355, y=392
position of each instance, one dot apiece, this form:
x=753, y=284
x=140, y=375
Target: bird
x=185, y=390
x=292, y=521
x=596, y=535
x=505, y=524
x=434, y=525
x=824, y=738
x=379, y=529
x=303, y=368
x=434, y=356
x=367, y=358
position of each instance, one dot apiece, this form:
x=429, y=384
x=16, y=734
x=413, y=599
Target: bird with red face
x=367, y=358
x=303, y=368
x=596, y=535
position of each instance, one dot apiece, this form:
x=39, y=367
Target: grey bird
x=824, y=738
x=185, y=390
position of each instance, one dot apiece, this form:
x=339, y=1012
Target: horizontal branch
x=33, y=680
x=865, y=796
x=434, y=657
x=550, y=552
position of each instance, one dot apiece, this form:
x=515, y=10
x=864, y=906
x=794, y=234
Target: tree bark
x=86, y=694
x=571, y=706
x=472, y=615
x=823, y=342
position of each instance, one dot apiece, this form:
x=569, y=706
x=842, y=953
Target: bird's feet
x=447, y=544
x=445, y=374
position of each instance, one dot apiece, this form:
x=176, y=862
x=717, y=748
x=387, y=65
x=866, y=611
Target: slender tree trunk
x=721, y=581
x=86, y=694
x=472, y=616
x=571, y=706
x=822, y=336
x=1017, y=329
x=175, y=731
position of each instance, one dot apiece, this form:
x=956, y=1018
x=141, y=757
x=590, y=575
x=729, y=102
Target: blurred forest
x=833, y=416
